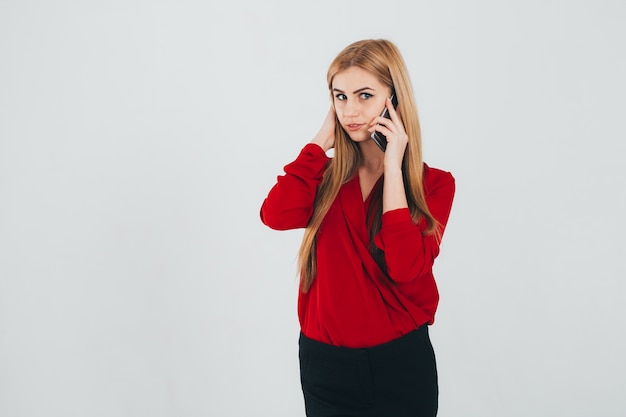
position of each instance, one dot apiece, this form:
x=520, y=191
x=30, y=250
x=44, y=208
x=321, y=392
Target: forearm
x=394, y=196
x=409, y=253
x=325, y=138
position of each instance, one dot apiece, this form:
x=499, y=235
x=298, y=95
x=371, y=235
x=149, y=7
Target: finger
x=385, y=122
x=388, y=125
x=395, y=116
x=382, y=129
x=331, y=117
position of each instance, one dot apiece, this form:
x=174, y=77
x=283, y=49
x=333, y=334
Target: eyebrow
x=355, y=91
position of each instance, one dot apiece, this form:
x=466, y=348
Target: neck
x=371, y=157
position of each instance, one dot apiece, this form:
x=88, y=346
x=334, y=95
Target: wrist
x=323, y=143
x=392, y=171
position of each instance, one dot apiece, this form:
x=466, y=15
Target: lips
x=354, y=126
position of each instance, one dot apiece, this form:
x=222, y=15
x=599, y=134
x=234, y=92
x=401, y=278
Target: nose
x=351, y=109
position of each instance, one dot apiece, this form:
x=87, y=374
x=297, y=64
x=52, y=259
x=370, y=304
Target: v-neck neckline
x=367, y=199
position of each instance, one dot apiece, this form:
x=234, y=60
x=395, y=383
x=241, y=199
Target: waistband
x=408, y=339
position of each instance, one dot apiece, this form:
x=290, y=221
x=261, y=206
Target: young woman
x=374, y=221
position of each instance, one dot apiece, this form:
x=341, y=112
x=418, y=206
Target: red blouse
x=352, y=301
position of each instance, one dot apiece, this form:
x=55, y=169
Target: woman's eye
x=341, y=97
x=365, y=96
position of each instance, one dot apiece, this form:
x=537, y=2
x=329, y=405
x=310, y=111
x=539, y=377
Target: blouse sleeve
x=289, y=204
x=408, y=253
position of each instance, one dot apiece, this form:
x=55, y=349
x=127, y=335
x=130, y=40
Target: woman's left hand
x=397, y=139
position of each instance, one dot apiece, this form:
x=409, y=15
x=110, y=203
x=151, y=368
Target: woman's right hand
x=325, y=138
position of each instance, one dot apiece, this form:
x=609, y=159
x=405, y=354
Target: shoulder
x=437, y=178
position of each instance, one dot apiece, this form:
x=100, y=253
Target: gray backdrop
x=138, y=139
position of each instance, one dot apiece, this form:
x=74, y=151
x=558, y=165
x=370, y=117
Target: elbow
x=402, y=278
x=271, y=220
x=409, y=273
x=407, y=278
x=279, y=220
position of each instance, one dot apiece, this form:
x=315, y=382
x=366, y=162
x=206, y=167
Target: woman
x=374, y=221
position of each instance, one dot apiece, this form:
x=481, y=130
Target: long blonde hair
x=382, y=59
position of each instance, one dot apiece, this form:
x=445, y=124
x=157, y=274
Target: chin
x=359, y=137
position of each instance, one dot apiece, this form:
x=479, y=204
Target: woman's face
x=358, y=97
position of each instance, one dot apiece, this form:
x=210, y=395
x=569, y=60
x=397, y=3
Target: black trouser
x=395, y=379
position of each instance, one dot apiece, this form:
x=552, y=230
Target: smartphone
x=378, y=137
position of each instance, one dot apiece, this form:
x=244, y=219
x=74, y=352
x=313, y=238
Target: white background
x=139, y=138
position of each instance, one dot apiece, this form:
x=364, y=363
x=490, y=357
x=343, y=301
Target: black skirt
x=394, y=379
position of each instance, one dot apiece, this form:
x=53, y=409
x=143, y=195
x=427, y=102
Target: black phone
x=377, y=137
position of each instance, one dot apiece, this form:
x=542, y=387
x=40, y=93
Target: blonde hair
x=382, y=59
